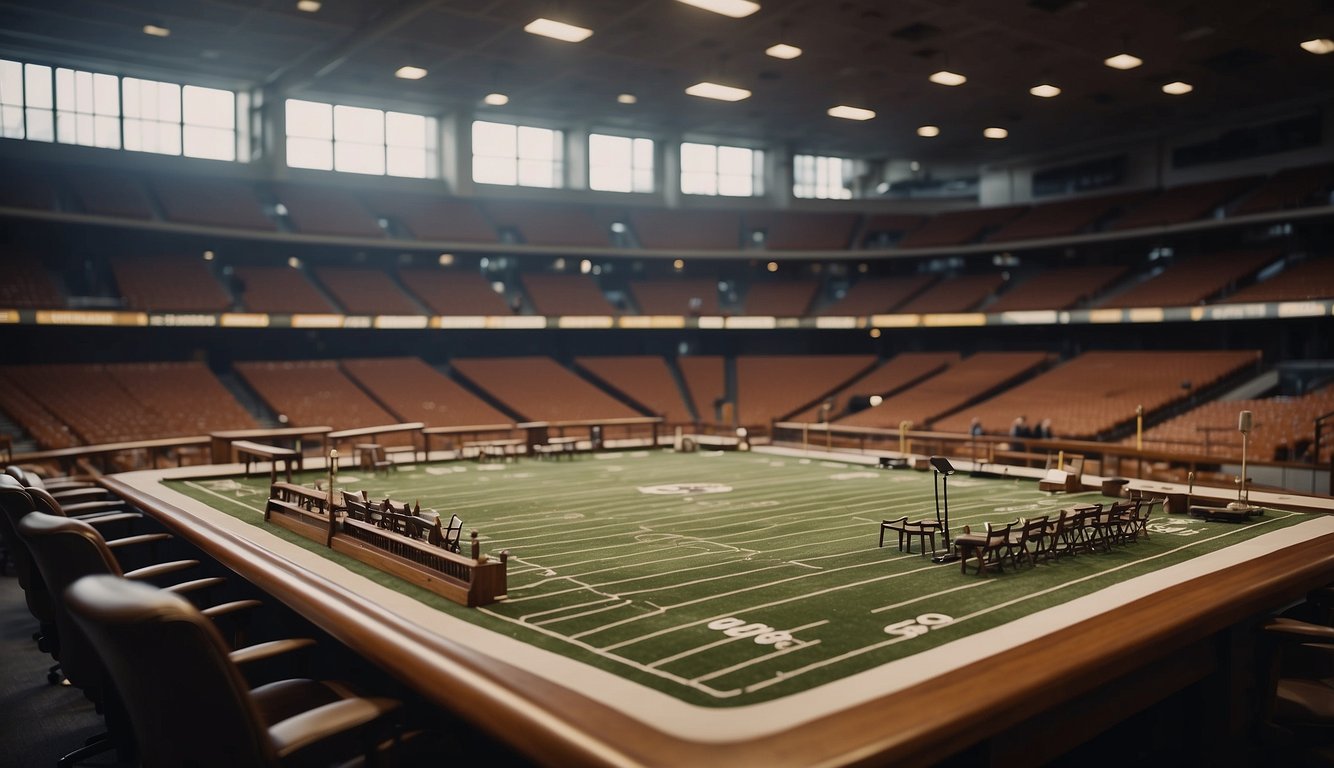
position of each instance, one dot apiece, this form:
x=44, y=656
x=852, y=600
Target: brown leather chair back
x=65, y=549
x=186, y=700
x=14, y=504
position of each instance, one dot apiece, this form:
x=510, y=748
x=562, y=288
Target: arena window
x=710, y=169
x=517, y=155
x=620, y=163
x=94, y=109
x=824, y=178
x=331, y=137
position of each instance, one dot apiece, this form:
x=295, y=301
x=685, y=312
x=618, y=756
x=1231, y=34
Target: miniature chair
x=208, y=716
x=452, y=533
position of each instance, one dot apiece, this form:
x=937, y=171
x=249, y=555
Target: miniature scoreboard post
x=333, y=518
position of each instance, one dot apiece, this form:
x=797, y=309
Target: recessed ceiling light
x=410, y=73
x=558, y=30
x=944, y=77
x=851, y=113
x=1123, y=61
x=627, y=98
x=734, y=8
x=156, y=31
x=1319, y=46
x=783, y=51
x=995, y=133
x=309, y=6
x=1045, y=91
x=720, y=92
x=929, y=131
x=496, y=99
x=1177, y=88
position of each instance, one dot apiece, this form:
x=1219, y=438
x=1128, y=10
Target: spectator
x=975, y=429
x=1043, y=431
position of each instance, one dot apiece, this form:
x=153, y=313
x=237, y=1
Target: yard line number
x=909, y=628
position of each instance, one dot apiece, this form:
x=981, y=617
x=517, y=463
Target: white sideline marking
x=528, y=616
x=920, y=598
x=621, y=604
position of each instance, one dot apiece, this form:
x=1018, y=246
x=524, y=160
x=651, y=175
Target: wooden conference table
x=1023, y=706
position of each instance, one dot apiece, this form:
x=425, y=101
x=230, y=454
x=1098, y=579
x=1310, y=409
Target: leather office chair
x=207, y=716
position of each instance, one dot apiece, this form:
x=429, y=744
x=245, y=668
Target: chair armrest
x=196, y=584
x=235, y=606
x=143, y=538
x=110, y=516
x=88, y=508
x=76, y=495
x=268, y=650
x=296, y=733
x=1292, y=629
x=159, y=569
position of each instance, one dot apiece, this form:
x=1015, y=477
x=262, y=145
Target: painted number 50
x=918, y=626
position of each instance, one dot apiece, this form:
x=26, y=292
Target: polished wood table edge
x=916, y=726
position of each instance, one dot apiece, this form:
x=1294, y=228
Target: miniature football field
x=731, y=579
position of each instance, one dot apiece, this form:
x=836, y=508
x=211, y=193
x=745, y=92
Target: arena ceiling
x=1241, y=57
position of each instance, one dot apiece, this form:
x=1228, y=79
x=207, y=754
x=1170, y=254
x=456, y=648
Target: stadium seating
x=645, y=379
x=689, y=297
x=791, y=298
x=1282, y=428
x=706, y=380
x=901, y=371
x=211, y=202
x=888, y=227
x=878, y=295
x=1309, y=279
x=960, y=293
x=555, y=295
x=327, y=210
x=129, y=401
x=429, y=217
x=169, y=283
x=949, y=390
x=44, y=427
x=802, y=231
x=366, y=291
x=549, y=223
x=540, y=389
x=279, y=290
x=1191, y=280
x=104, y=193
x=314, y=393
x=1110, y=386
x=959, y=227
x=1184, y=203
x=413, y=391
x=1066, y=217
x=27, y=284
x=1058, y=288
x=1290, y=188
x=663, y=229
x=453, y=293
x=805, y=378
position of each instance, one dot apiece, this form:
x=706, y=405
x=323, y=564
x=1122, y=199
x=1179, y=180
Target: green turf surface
x=640, y=563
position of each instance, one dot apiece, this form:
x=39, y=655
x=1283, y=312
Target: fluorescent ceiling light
x=627, y=98
x=1319, y=46
x=1177, y=88
x=410, y=73
x=944, y=77
x=851, y=113
x=783, y=51
x=558, y=30
x=309, y=6
x=929, y=131
x=720, y=92
x=156, y=31
x=1123, y=61
x=995, y=133
x=734, y=8
x=496, y=99
x=1045, y=91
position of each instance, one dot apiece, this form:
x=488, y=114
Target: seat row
x=114, y=613
x=1085, y=528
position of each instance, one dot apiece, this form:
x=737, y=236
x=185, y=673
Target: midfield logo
x=684, y=489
